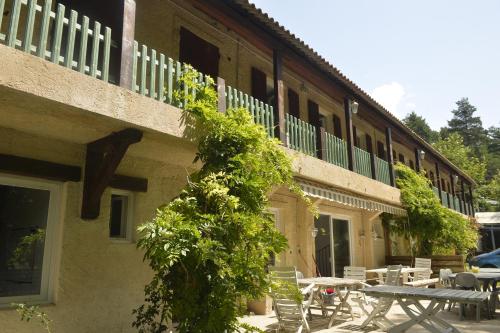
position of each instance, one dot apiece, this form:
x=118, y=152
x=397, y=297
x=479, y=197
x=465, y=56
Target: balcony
x=82, y=44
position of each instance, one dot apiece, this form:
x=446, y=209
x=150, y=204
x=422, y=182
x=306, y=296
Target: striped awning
x=331, y=194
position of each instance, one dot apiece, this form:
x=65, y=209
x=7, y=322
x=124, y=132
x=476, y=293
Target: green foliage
x=209, y=247
x=24, y=249
x=29, y=313
x=493, y=152
x=430, y=227
x=490, y=191
x=468, y=126
x=462, y=156
x=419, y=125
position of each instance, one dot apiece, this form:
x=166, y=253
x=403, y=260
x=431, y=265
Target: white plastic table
x=411, y=299
x=332, y=282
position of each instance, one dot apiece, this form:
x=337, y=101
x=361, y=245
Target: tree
x=419, y=125
x=209, y=247
x=462, y=156
x=469, y=127
x=493, y=151
x=430, y=227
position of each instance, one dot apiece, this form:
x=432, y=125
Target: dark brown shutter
x=393, y=156
x=355, y=136
x=259, y=85
x=199, y=53
x=380, y=150
x=293, y=104
x=431, y=175
x=369, y=146
x=313, y=113
x=412, y=165
x=337, y=127
x=401, y=158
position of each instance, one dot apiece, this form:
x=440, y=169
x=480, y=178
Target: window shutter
x=381, y=150
x=355, y=136
x=259, y=85
x=337, y=127
x=401, y=158
x=293, y=104
x=199, y=53
x=369, y=146
x=313, y=113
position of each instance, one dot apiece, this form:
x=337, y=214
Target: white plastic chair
x=291, y=313
x=382, y=305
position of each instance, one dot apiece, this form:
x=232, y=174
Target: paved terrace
x=268, y=323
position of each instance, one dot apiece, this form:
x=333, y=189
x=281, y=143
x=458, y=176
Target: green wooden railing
x=444, y=198
x=436, y=191
x=382, y=171
x=363, y=164
x=336, y=151
x=301, y=136
x=262, y=113
x=37, y=30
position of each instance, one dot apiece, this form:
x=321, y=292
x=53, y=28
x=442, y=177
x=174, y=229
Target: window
x=411, y=164
x=28, y=232
x=120, y=217
x=401, y=158
x=293, y=104
x=199, y=53
x=381, y=150
x=337, y=127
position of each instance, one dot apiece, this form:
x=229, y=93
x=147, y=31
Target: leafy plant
x=29, y=313
x=430, y=227
x=209, y=247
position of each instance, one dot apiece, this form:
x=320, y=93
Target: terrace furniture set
x=376, y=301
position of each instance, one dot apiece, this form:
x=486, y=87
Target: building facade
x=92, y=142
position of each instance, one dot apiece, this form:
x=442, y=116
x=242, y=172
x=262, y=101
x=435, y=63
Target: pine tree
x=469, y=127
x=419, y=125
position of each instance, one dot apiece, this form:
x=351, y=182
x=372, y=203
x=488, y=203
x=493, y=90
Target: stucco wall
x=99, y=281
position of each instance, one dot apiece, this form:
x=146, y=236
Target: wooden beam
x=438, y=179
x=30, y=167
x=126, y=63
x=418, y=162
x=390, y=157
x=128, y=183
x=279, y=96
x=465, y=211
x=472, y=213
x=349, y=132
x=102, y=160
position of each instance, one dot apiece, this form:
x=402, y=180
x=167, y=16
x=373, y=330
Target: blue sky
x=409, y=55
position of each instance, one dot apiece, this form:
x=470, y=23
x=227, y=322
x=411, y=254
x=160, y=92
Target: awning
x=332, y=194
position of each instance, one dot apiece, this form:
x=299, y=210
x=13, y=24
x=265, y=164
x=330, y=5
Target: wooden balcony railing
x=335, y=150
x=382, y=171
x=363, y=164
x=57, y=36
x=301, y=136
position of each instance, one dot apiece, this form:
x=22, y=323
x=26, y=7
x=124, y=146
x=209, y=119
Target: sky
x=418, y=55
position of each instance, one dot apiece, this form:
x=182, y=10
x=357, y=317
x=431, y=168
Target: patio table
x=332, y=282
x=405, y=271
x=488, y=277
x=425, y=315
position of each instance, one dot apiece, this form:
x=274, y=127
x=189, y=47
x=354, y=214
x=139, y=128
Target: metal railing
x=362, y=162
x=37, y=30
x=335, y=151
x=382, y=170
x=301, y=136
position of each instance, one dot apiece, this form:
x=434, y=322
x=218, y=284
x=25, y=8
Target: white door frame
x=348, y=219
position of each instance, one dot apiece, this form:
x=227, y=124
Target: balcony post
x=279, y=96
x=349, y=132
x=126, y=63
x=221, y=95
x=438, y=179
x=454, y=191
x=471, y=200
x=418, y=163
x=390, y=157
x=466, y=211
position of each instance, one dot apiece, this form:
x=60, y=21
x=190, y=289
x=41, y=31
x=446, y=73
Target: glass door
x=330, y=260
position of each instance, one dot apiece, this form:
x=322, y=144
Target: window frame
x=129, y=218
x=51, y=250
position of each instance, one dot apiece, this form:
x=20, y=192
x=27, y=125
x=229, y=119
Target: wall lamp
x=314, y=232
x=354, y=106
x=455, y=179
x=422, y=155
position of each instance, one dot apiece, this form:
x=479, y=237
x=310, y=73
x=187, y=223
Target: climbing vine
x=430, y=227
x=209, y=247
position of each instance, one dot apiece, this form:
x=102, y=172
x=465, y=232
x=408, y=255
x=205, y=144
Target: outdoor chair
x=358, y=274
x=422, y=263
x=467, y=281
x=290, y=312
x=382, y=305
x=444, y=277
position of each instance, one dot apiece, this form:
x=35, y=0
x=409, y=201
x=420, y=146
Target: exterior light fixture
x=314, y=232
x=354, y=107
x=422, y=155
x=455, y=179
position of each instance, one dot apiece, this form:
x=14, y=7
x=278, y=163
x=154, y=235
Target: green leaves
x=434, y=229
x=209, y=247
